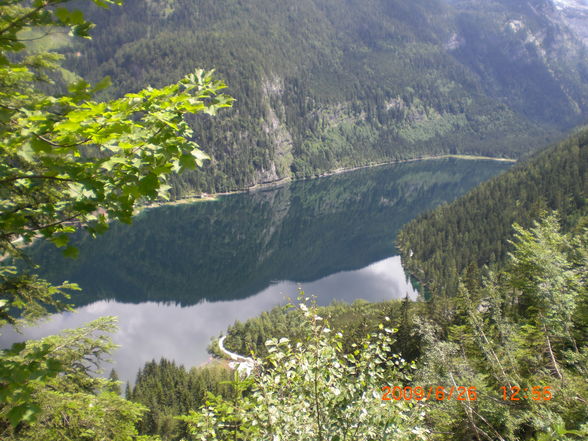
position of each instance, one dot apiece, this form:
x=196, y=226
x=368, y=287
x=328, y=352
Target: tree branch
x=551, y=354
x=17, y=178
x=54, y=144
x=24, y=17
x=32, y=39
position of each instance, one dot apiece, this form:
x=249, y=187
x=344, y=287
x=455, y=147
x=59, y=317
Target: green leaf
x=187, y=162
x=16, y=348
x=103, y=84
x=77, y=17
x=60, y=240
x=148, y=185
x=71, y=252
x=22, y=413
x=63, y=14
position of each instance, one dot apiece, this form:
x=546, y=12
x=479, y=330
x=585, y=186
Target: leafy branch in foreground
x=312, y=390
x=76, y=404
x=523, y=329
x=67, y=160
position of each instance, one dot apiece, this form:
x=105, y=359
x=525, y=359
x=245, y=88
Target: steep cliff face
x=277, y=130
x=324, y=84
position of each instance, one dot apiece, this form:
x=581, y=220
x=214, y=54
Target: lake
x=179, y=275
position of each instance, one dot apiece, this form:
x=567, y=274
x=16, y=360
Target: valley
x=360, y=198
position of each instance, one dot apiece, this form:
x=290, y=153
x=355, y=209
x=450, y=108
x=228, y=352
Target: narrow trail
x=244, y=365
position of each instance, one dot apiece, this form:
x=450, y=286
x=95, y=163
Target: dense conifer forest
x=324, y=84
x=458, y=239
x=169, y=390
x=500, y=350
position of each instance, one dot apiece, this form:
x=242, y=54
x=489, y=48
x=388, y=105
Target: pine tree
x=115, y=382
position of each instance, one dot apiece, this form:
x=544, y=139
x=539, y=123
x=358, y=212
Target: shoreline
x=205, y=197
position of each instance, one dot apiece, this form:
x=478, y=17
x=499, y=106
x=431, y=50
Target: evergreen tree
x=116, y=383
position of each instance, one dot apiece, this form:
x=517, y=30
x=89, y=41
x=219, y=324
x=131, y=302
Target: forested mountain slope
x=322, y=84
x=441, y=245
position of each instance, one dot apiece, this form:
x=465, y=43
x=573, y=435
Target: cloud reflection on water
x=153, y=330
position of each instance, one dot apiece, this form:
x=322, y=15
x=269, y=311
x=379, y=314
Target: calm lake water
x=179, y=275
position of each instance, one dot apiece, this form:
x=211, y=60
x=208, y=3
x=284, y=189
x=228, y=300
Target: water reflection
x=181, y=274
x=234, y=248
x=152, y=330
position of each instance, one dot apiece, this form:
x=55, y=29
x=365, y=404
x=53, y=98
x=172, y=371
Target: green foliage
x=313, y=390
x=115, y=389
x=65, y=157
x=354, y=321
x=30, y=294
x=19, y=372
x=439, y=246
x=542, y=268
x=76, y=404
x=521, y=328
x=169, y=390
x=558, y=432
x=83, y=416
x=68, y=160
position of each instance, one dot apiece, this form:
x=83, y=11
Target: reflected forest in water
x=235, y=247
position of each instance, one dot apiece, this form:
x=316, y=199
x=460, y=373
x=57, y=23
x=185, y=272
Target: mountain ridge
x=575, y=15
x=324, y=84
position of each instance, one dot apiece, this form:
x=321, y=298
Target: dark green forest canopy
x=322, y=84
x=169, y=390
x=458, y=238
